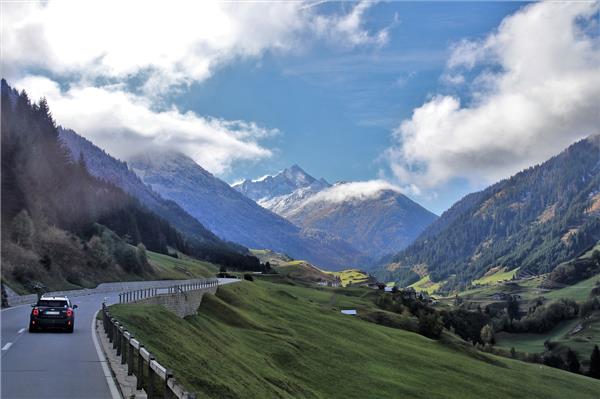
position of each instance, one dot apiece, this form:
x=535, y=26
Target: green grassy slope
x=293, y=268
x=567, y=333
x=578, y=292
x=425, y=284
x=496, y=277
x=183, y=267
x=264, y=340
x=351, y=276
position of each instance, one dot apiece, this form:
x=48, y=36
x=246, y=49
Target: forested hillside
x=534, y=220
x=107, y=168
x=62, y=226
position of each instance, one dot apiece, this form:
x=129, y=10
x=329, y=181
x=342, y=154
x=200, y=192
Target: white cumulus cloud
x=125, y=124
x=163, y=44
x=535, y=90
x=105, y=66
x=353, y=191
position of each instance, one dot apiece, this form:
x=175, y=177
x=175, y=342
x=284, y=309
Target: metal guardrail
x=155, y=379
x=15, y=300
x=136, y=295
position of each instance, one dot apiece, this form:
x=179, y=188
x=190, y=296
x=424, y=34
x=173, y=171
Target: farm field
x=275, y=340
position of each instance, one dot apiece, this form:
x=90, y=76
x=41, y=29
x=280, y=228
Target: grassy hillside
x=577, y=292
x=183, y=267
x=264, y=340
x=294, y=269
x=495, y=276
x=425, y=284
x=580, y=335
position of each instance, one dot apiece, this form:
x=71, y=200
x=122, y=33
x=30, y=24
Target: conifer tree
x=595, y=363
x=572, y=362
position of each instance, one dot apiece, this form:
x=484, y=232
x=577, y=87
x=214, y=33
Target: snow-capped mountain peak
x=284, y=182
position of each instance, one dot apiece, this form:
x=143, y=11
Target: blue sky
x=336, y=109
x=437, y=98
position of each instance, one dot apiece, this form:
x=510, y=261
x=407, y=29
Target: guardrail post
x=105, y=319
x=140, y=369
x=115, y=334
x=150, y=382
x=168, y=374
x=130, y=355
x=111, y=330
x=119, y=339
x=123, y=346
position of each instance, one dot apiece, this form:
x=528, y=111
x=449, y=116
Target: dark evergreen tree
x=572, y=362
x=594, y=371
x=512, y=308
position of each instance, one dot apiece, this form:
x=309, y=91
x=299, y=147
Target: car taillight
x=69, y=312
x=36, y=311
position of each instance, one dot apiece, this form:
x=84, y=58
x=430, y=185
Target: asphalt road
x=54, y=364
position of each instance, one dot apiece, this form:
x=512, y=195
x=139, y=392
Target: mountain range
x=374, y=217
x=282, y=183
x=532, y=221
x=235, y=217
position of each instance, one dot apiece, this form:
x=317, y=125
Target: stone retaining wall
x=183, y=303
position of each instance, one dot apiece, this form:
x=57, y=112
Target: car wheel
x=32, y=328
x=70, y=329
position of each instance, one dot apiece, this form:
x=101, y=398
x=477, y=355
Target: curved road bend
x=54, y=364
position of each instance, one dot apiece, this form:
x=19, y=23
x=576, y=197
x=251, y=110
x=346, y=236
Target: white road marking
x=21, y=331
x=8, y=345
x=107, y=373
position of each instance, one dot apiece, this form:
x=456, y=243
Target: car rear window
x=52, y=304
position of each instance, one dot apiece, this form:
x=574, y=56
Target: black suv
x=52, y=311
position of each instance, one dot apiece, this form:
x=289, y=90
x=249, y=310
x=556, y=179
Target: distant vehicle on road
x=52, y=312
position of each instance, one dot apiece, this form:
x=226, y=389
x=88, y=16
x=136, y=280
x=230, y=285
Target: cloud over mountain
x=125, y=124
x=353, y=191
x=533, y=88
